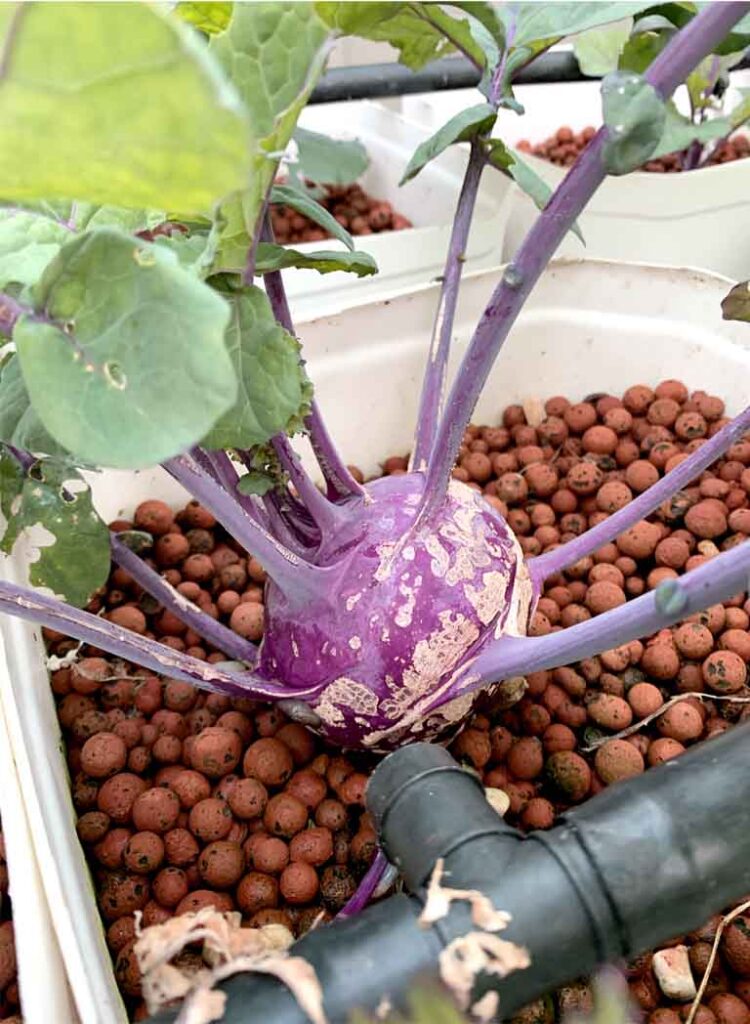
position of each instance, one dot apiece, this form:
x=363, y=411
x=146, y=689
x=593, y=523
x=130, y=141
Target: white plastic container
x=36, y=943
x=414, y=256
x=588, y=325
x=696, y=219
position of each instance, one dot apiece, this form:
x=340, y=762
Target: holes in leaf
x=115, y=375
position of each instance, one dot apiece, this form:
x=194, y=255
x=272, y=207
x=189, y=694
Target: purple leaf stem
x=559, y=558
x=366, y=887
x=668, y=70
x=25, y=603
x=327, y=516
x=433, y=385
x=340, y=481
x=715, y=581
x=294, y=576
x=218, y=635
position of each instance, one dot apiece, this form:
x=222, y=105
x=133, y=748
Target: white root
x=439, y=899
x=227, y=949
x=467, y=957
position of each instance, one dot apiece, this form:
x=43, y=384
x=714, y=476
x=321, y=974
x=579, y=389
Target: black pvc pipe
x=642, y=862
x=375, y=81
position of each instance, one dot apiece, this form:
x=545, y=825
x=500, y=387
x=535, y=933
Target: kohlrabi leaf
x=461, y=127
x=421, y=32
x=271, y=377
x=531, y=28
x=87, y=216
x=741, y=113
x=680, y=132
x=300, y=201
x=278, y=257
x=700, y=83
x=510, y=164
x=128, y=107
x=274, y=54
x=536, y=22
x=194, y=252
x=255, y=482
x=272, y=257
x=641, y=49
x=28, y=241
x=635, y=114
x=598, y=51
x=329, y=161
x=55, y=496
x=19, y=423
x=209, y=17
x=736, y=304
x=124, y=359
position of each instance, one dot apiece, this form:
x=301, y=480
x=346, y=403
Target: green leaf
x=510, y=163
x=641, y=49
x=274, y=54
x=255, y=482
x=28, y=241
x=86, y=217
x=210, y=17
x=462, y=126
x=271, y=377
x=700, y=83
x=421, y=32
x=55, y=496
x=598, y=52
x=635, y=114
x=114, y=103
x=680, y=132
x=307, y=206
x=130, y=366
x=736, y=305
x=19, y=423
x=194, y=252
x=278, y=257
x=741, y=112
x=329, y=161
x=535, y=22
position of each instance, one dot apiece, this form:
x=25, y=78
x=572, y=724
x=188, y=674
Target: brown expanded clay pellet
x=351, y=206
x=187, y=799
x=565, y=145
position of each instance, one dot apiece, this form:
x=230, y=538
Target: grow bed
x=358, y=212
x=629, y=307
x=187, y=800
x=564, y=145
x=693, y=220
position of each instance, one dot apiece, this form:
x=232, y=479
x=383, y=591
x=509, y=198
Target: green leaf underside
x=741, y=112
x=55, y=496
x=274, y=54
x=255, y=482
x=535, y=187
x=461, y=127
x=598, y=52
x=736, y=305
x=538, y=22
x=125, y=109
x=328, y=161
x=308, y=207
x=679, y=132
x=270, y=257
x=635, y=114
x=28, y=241
x=19, y=422
x=420, y=32
x=140, y=371
x=210, y=17
x=272, y=382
